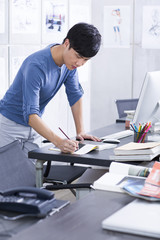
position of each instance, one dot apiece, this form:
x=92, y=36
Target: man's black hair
x=85, y=39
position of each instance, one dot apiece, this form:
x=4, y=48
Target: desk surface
x=82, y=220
x=98, y=158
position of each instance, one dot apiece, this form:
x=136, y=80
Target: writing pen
x=46, y=141
x=64, y=133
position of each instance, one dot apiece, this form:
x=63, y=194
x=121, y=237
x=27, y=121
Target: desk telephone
x=28, y=200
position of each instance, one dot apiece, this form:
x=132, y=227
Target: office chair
x=85, y=177
x=58, y=177
x=16, y=170
x=125, y=104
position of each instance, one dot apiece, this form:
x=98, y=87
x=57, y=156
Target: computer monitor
x=148, y=107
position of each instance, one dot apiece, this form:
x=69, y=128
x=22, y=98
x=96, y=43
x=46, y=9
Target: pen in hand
x=65, y=135
x=46, y=141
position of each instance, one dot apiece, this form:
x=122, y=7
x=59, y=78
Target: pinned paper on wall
x=3, y=70
x=151, y=27
x=2, y=76
x=2, y=16
x=54, y=20
x=116, y=26
x=25, y=17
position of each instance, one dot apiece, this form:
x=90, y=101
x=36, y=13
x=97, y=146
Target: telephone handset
x=30, y=191
x=29, y=200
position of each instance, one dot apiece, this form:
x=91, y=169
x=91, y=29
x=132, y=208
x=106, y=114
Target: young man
x=36, y=83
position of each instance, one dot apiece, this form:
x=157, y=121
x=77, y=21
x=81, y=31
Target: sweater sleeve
x=31, y=86
x=74, y=89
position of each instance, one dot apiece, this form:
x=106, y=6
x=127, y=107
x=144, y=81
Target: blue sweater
x=35, y=84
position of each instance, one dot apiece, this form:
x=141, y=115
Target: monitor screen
x=148, y=107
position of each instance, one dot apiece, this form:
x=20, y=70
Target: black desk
x=82, y=220
x=97, y=158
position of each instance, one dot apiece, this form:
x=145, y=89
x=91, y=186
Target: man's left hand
x=85, y=136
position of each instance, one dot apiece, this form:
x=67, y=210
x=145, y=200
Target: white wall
x=145, y=59
x=111, y=73
x=118, y=73
x=114, y=73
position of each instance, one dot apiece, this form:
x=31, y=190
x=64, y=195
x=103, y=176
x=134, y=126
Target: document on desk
x=138, y=217
x=89, y=146
x=119, y=175
x=83, y=150
x=99, y=145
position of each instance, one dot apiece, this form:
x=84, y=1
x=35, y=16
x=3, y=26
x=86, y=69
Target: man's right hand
x=67, y=146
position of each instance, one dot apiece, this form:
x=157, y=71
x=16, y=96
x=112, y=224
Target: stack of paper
x=136, y=151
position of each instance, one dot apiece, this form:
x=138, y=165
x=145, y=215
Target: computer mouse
x=115, y=141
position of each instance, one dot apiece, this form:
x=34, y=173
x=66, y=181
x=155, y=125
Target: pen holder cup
x=140, y=137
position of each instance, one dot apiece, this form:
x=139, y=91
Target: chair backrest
x=16, y=170
x=125, y=104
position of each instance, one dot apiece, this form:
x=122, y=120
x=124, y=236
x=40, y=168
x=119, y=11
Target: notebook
x=139, y=217
x=88, y=146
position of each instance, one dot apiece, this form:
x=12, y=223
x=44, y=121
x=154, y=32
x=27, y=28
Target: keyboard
x=119, y=135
